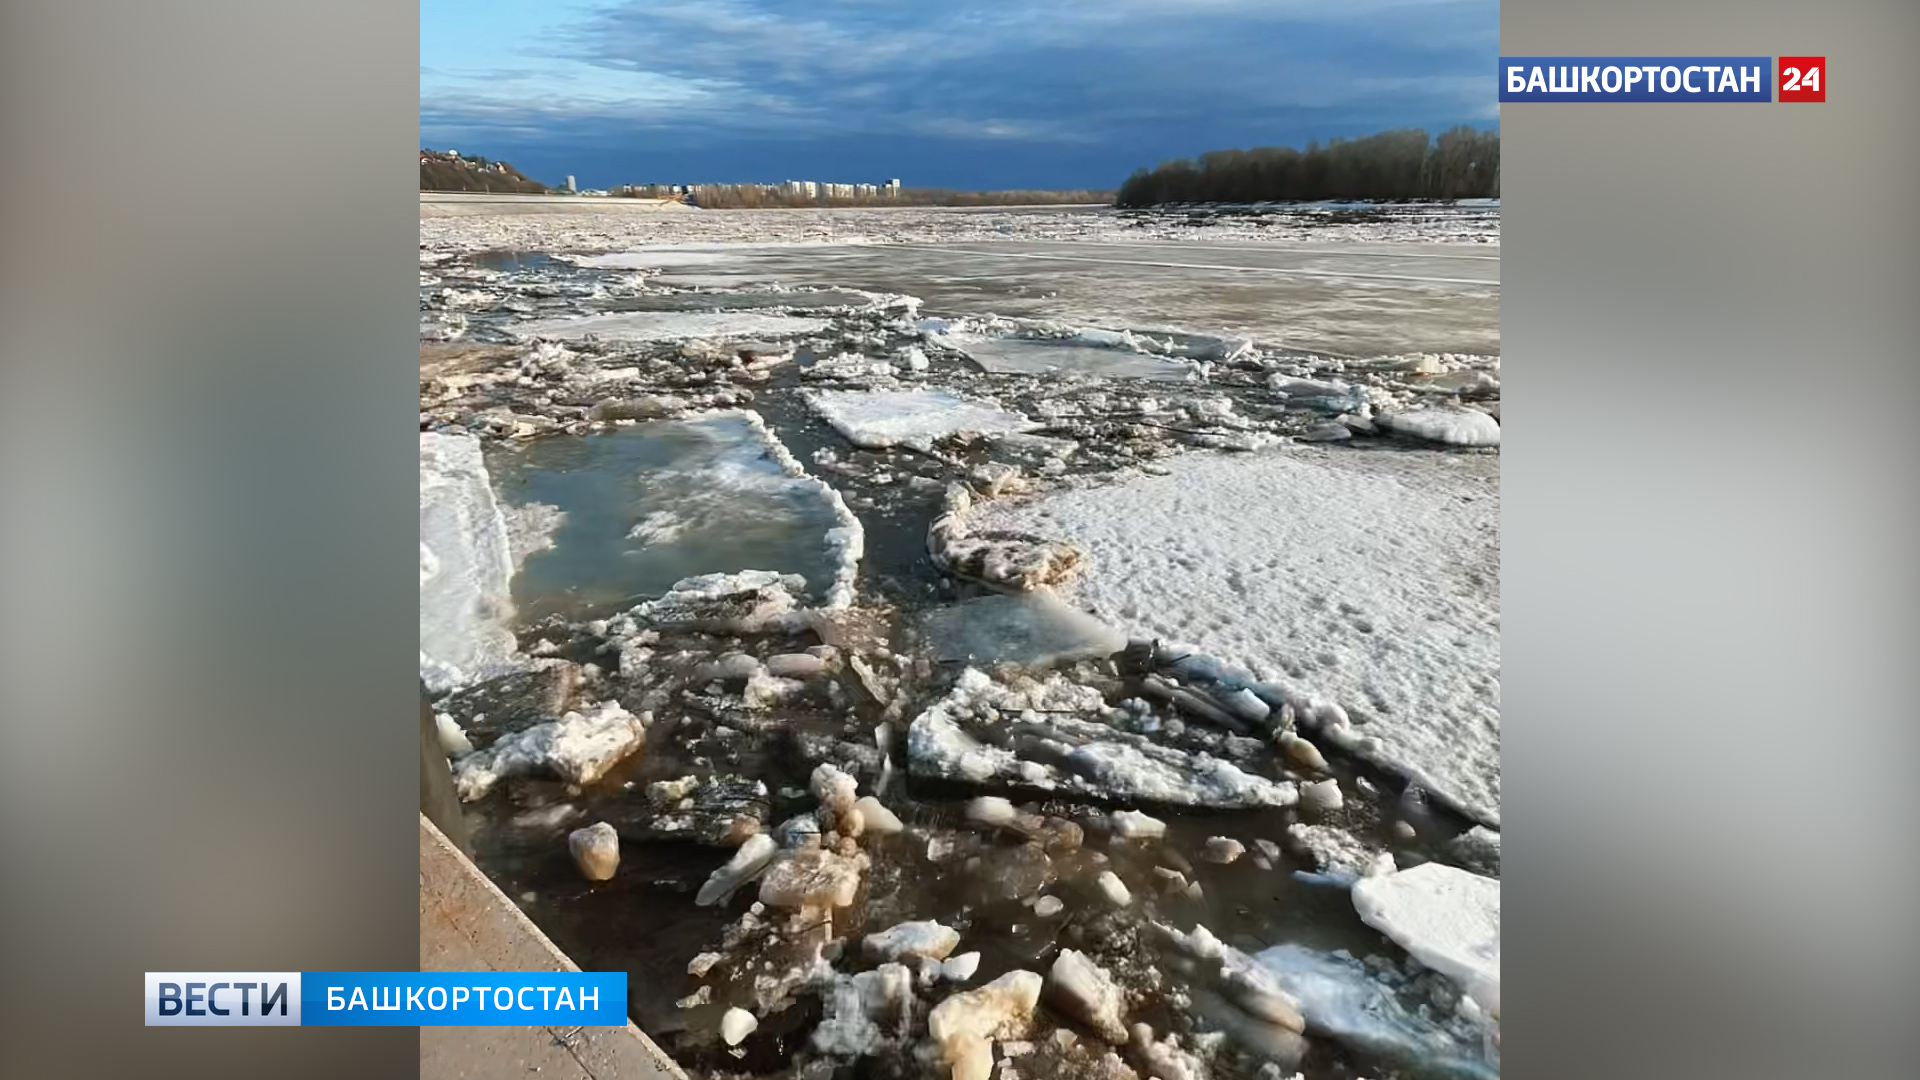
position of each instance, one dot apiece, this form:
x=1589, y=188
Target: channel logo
x=384, y=999
x=223, y=999
x=1636, y=78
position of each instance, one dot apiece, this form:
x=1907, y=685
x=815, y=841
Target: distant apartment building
x=570, y=185
x=893, y=186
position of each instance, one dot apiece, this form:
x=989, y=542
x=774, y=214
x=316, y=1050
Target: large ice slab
x=877, y=419
x=666, y=326
x=1031, y=356
x=1445, y=917
x=465, y=565
x=650, y=505
x=1372, y=578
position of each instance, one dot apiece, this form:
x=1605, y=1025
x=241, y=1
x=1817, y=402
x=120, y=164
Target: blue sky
x=1073, y=93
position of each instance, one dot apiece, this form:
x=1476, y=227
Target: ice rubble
x=1056, y=753
x=1446, y=918
x=466, y=562
x=642, y=326
x=1341, y=999
x=1372, y=579
x=877, y=419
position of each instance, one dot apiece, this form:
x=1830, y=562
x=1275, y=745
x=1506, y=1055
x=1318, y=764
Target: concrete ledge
x=468, y=924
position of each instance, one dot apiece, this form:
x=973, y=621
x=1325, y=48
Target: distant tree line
x=761, y=196
x=1462, y=163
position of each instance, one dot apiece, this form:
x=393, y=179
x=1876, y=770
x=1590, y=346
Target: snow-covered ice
x=466, y=563
x=1370, y=578
x=1456, y=427
x=1446, y=918
x=877, y=419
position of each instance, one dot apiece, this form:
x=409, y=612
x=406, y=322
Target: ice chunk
x=595, y=850
x=1446, y=918
x=1113, y=889
x=453, y=740
x=578, y=748
x=811, y=878
x=833, y=786
x=466, y=564
x=1084, y=991
x=751, y=601
x=960, y=968
x=736, y=1025
x=1224, y=850
x=878, y=818
x=913, y=939
x=999, y=1010
x=746, y=864
x=913, y=418
x=1134, y=825
x=1455, y=427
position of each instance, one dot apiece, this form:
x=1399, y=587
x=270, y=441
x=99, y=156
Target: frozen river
x=918, y=643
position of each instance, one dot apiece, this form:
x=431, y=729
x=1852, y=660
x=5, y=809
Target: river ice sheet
x=1369, y=577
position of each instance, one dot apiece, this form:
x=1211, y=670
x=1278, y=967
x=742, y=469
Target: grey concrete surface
x=468, y=924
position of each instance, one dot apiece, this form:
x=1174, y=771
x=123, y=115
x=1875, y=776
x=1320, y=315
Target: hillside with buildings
x=446, y=170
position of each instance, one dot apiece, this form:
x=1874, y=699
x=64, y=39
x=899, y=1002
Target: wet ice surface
x=801, y=614
x=647, y=505
x=1042, y=357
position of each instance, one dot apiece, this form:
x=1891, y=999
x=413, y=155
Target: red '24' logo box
x=1803, y=78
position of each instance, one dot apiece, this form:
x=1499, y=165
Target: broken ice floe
x=877, y=419
x=1015, y=735
x=1341, y=999
x=1446, y=918
x=466, y=561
